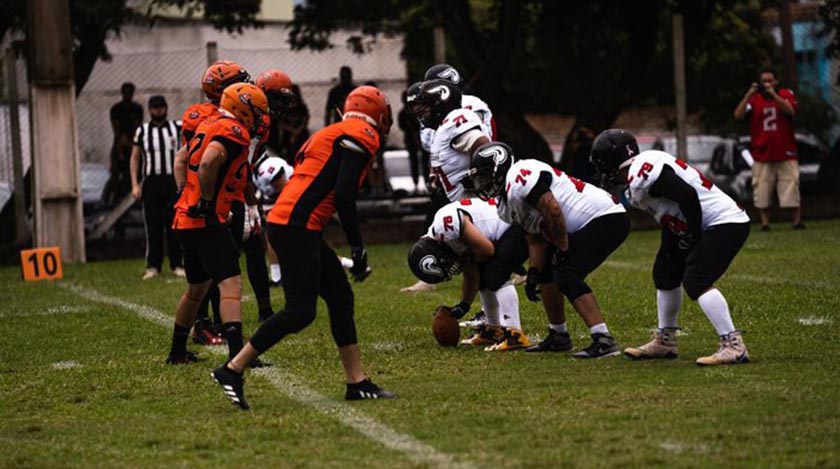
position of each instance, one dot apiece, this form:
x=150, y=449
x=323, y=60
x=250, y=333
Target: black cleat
x=366, y=390
x=603, y=345
x=555, y=342
x=231, y=383
x=185, y=359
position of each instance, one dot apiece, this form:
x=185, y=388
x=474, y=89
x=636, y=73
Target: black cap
x=157, y=101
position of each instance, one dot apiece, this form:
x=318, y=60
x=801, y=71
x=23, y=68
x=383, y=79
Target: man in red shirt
x=773, y=146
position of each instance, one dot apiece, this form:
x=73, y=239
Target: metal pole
x=788, y=54
x=440, y=44
x=212, y=52
x=679, y=85
x=21, y=231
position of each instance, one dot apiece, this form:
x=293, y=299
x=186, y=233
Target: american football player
x=469, y=234
x=468, y=101
x=572, y=228
x=702, y=231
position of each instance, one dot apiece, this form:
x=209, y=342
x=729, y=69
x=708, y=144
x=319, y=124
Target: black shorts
x=699, y=268
x=590, y=246
x=210, y=253
x=511, y=250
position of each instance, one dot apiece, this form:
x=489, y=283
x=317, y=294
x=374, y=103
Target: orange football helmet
x=277, y=87
x=219, y=76
x=370, y=103
x=247, y=104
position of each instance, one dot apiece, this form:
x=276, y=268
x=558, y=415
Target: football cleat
x=150, y=273
x=185, y=359
x=478, y=320
x=179, y=272
x=663, y=344
x=231, y=383
x=732, y=351
x=366, y=390
x=603, y=345
x=554, y=342
x=203, y=333
x=485, y=335
x=514, y=339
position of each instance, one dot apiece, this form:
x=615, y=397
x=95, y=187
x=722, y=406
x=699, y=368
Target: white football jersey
x=476, y=105
x=448, y=223
x=448, y=164
x=579, y=201
x=268, y=170
x=427, y=136
x=717, y=207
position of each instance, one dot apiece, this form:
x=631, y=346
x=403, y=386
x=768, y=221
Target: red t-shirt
x=771, y=130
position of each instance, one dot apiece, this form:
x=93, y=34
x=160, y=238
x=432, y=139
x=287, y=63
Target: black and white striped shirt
x=158, y=144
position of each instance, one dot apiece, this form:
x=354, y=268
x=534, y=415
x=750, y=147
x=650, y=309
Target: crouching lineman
x=469, y=234
x=217, y=170
x=329, y=170
x=703, y=230
x=572, y=228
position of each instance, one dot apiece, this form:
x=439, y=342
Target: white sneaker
x=518, y=279
x=418, y=287
x=732, y=351
x=663, y=344
x=179, y=272
x=150, y=273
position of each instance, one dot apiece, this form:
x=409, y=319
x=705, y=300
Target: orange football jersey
x=193, y=117
x=231, y=178
x=308, y=199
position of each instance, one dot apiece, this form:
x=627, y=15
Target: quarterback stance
x=572, y=228
x=702, y=231
x=469, y=235
x=217, y=170
x=329, y=169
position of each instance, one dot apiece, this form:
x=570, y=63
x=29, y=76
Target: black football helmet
x=489, y=168
x=445, y=72
x=433, y=101
x=432, y=261
x=610, y=150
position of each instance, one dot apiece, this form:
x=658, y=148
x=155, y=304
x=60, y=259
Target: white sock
x=668, y=303
x=275, y=273
x=346, y=262
x=491, y=307
x=561, y=328
x=509, y=306
x=714, y=305
x=600, y=328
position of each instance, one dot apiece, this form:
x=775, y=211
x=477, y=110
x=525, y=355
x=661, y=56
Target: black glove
x=199, y=210
x=532, y=290
x=460, y=310
x=360, y=269
x=559, y=257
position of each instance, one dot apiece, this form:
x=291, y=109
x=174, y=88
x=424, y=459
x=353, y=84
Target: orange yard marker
x=41, y=264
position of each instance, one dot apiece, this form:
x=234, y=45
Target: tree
x=92, y=21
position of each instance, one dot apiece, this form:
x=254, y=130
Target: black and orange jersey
x=308, y=199
x=193, y=117
x=231, y=178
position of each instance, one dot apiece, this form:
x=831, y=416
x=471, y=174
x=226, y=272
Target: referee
x=155, y=144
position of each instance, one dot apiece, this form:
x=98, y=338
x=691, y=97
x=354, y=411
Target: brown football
x=445, y=327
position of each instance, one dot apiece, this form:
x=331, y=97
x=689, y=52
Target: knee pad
x=570, y=284
x=493, y=279
x=694, y=288
x=278, y=326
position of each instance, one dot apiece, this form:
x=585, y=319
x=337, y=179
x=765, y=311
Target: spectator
x=581, y=148
x=126, y=116
x=337, y=95
x=156, y=143
x=294, y=126
x=418, y=159
x=773, y=147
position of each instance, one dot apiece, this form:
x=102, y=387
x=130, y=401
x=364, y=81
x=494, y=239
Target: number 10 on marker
x=41, y=264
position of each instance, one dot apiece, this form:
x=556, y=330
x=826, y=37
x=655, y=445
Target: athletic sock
x=179, y=341
x=233, y=335
x=600, y=328
x=490, y=305
x=561, y=328
x=275, y=273
x=668, y=303
x=509, y=306
x=346, y=262
x=716, y=309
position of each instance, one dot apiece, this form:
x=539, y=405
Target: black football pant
x=158, y=211
x=310, y=269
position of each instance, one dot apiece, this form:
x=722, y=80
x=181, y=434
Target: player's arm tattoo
x=555, y=220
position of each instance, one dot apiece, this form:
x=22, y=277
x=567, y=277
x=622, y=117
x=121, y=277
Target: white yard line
x=53, y=311
x=293, y=387
x=745, y=277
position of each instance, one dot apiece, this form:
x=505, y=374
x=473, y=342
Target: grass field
x=83, y=384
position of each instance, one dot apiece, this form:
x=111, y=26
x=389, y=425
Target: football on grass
x=445, y=327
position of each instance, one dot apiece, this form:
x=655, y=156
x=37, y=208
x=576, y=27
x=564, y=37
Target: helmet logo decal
x=498, y=154
x=450, y=74
x=441, y=90
x=245, y=98
x=630, y=151
x=428, y=264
